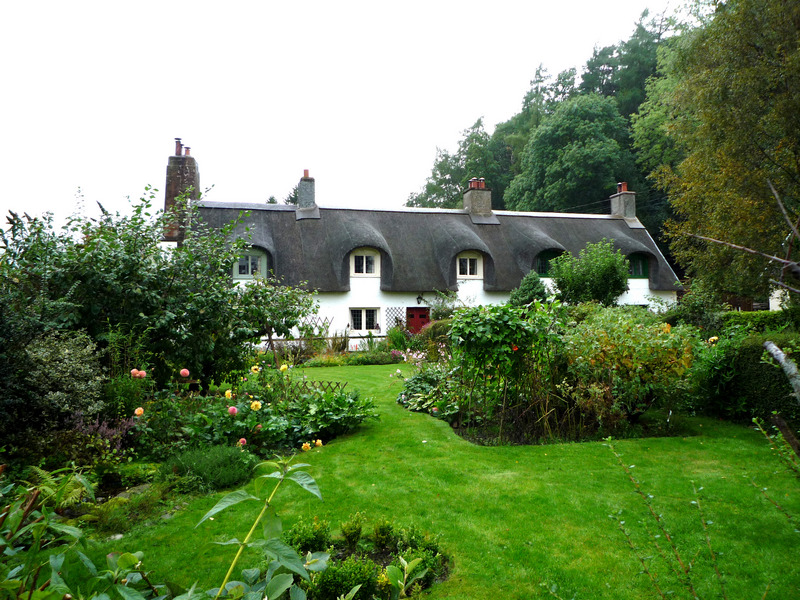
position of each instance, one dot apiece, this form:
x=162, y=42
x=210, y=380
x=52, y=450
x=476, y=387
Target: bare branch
x=783, y=210
x=787, y=364
x=790, y=265
x=784, y=286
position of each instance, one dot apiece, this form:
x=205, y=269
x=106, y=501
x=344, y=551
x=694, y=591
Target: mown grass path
x=516, y=519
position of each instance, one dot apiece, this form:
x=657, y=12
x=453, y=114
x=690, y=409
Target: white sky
x=359, y=93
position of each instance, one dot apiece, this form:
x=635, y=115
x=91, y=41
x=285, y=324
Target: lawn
x=519, y=521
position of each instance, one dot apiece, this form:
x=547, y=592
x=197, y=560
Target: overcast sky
x=359, y=93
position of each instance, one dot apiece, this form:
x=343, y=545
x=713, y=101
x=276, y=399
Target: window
x=638, y=266
x=253, y=263
x=469, y=265
x=364, y=319
x=365, y=262
x=543, y=261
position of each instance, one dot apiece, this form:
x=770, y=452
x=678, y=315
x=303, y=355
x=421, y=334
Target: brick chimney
x=623, y=203
x=478, y=202
x=306, y=198
x=183, y=177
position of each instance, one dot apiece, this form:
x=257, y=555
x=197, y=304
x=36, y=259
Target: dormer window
x=543, y=261
x=470, y=265
x=365, y=262
x=251, y=264
x=638, y=266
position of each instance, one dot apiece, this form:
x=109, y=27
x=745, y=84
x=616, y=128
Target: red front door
x=417, y=317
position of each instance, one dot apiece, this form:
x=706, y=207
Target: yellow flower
x=284, y=367
x=228, y=394
x=713, y=340
x=139, y=412
x=667, y=327
x=255, y=405
x=255, y=369
x=306, y=446
x=318, y=443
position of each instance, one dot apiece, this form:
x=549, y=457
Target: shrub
x=351, y=531
x=326, y=360
x=597, y=273
x=384, y=536
x=121, y=513
x=211, y=468
x=397, y=338
x=309, y=536
x=442, y=304
x=759, y=321
x=700, y=306
x=620, y=361
x=65, y=377
x=530, y=288
x=750, y=387
x=339, y=578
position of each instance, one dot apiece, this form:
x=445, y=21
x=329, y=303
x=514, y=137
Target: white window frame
x=362, y=257
x=363, y=318
x=250, y=254
x=470, y=256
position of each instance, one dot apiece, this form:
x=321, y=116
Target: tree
x=736, y=116
x=275, y=309
x=601, y=72
x=541, y=100
x=110, y=276
x=530, y=288
x=451, y=172
x=292, y=198
x=598, y=273
x=574, y=159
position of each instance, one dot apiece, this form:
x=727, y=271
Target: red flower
x=514, y=348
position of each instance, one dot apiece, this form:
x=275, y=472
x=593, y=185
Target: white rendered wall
x=365, y=292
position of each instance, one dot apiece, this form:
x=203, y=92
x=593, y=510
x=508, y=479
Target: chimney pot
x=178, y=147
x=187, y=151
x=305, y=173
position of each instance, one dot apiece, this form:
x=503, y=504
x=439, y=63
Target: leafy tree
x=292, y=197
x=530, y=288
x=622, y=70
x=275, y=309
x=539, y=101
x=451, y=172
x=654, y=146
x=601, y=72
x=735, y=112
x=574, y=159
x=112, y=275
x=598, y=273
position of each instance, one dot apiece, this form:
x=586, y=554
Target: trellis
x=396, y=317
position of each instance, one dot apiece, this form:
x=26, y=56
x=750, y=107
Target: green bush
x=598, y=273
x=701, y=306
x=530, y=288
x=210, y=468
x=413, y=543
x=751, y=387
x=351, y=531
x=120, y=514
x=620, y=361
x=759, y=321
x=397, y=337
x=326, y=360
x=384, y=536
x=339, y=578
x=309, y=536
x=64, y=376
